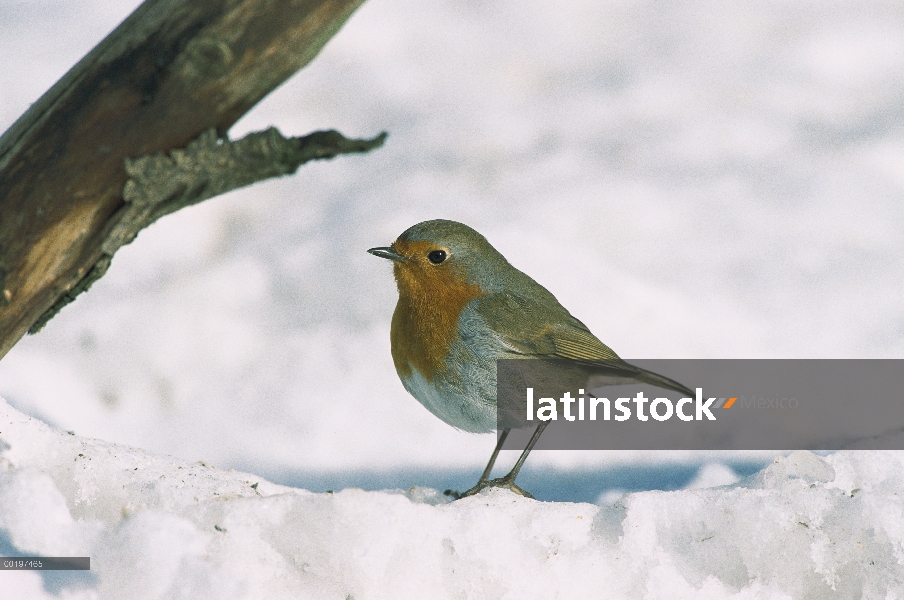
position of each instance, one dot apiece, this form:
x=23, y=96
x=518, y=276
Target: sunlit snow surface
x=160, y=527
x=691, y=179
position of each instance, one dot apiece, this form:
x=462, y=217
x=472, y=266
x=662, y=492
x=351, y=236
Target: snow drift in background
x=691, y=179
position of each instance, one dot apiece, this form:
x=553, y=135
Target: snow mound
x=159, y=527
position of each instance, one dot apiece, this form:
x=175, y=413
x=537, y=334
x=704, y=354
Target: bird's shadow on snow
x=546, y=484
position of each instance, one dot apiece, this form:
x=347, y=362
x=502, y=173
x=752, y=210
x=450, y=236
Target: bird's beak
x=387, y=252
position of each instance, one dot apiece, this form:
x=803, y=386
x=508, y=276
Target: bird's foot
x=502, y=482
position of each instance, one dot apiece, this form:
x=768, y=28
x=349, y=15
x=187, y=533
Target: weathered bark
x=162, y=184
x=171, y=71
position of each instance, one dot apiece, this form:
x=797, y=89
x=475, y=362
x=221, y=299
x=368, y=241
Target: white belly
x=472, y=411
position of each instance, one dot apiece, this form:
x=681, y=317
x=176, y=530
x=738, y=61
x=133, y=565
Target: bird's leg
x=508, y=481
x=510, y=478
x=488, y=470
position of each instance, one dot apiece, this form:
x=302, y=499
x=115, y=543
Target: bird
x=461, y=307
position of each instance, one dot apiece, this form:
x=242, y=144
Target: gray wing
x=542, y=328
x=526, y=327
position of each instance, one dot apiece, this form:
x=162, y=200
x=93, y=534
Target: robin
x=461, y=308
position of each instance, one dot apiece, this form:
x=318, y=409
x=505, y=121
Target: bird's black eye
x=437, y=256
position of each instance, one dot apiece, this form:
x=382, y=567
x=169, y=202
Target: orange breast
x=425, y=321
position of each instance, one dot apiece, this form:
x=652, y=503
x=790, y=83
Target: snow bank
x=690, y=179
x=159, y=527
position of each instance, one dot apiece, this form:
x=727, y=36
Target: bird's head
x=438, y=256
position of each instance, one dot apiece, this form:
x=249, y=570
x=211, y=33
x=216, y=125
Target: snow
x=160, y=527
x=713, y=475
x=692, y=179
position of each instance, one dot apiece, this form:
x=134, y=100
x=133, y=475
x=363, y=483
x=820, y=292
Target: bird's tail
x=619, y=372
x=662, y=381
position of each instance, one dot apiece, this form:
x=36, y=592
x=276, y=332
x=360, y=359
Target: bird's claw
x=502, y=482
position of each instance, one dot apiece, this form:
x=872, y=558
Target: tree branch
x=171, y=71
x=207, y=167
